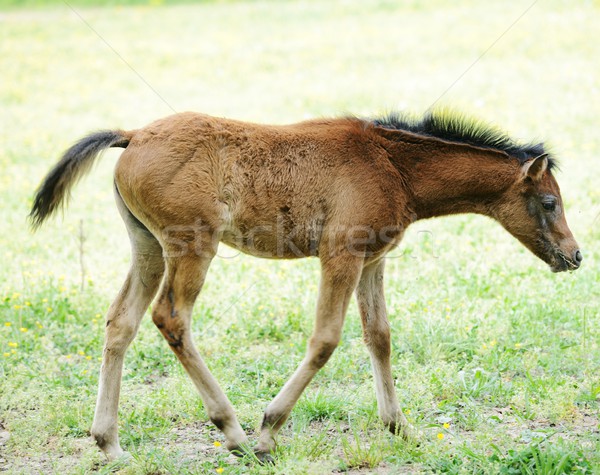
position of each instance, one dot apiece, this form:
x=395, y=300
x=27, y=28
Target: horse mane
x=456, y=127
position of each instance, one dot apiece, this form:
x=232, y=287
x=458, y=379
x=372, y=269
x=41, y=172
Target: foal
x=343, y=190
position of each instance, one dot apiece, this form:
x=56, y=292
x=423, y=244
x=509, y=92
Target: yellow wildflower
x=6, y=355
x=440, y=436
x=446, y=425
x=217, y=443
x=23, y=329
x=88, y=357
x=17, y=307
x=81, y=353
x=13, y=344
x=48, y=309
x=7, y=324
x=219, y=470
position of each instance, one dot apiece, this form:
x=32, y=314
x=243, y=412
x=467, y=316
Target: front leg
x=376, y=331
x=339, y=277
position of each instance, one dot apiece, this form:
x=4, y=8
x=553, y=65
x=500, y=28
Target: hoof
x=241, y=450
x=121, y=460
x=406, y=431
x=114, y=454
x=265, y=458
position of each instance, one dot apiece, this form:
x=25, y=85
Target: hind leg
x=172, y=315
x=122, y=322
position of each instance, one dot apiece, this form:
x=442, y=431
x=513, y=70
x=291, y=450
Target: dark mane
x=455, y=127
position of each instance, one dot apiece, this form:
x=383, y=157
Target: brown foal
x=343, y=190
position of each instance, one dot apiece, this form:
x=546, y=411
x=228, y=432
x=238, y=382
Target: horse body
x=259, y=188
x=343, y=190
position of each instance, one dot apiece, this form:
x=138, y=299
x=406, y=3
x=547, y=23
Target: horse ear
x=534, y=168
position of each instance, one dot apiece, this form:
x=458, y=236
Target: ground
x=496, y=359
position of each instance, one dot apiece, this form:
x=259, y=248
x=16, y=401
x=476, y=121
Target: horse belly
x=276, y=236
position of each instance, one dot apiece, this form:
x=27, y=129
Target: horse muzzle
x=563, y=261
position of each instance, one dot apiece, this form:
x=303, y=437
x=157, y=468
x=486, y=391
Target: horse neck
x=459, y=179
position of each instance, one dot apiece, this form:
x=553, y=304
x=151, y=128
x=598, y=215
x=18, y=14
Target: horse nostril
x=578, y=257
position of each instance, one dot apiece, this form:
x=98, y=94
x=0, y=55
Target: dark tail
x=76, y=162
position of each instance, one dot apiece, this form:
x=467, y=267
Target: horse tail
x=53, y=192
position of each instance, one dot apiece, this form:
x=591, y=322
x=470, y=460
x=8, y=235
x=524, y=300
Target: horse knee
x=120, y=332
x=378, y=340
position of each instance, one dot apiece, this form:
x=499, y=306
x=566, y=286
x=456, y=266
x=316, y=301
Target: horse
x=343, y=190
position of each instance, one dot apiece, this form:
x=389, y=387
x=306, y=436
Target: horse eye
x=549, y=205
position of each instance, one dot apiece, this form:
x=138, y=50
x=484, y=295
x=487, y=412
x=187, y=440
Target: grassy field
x=496, y=360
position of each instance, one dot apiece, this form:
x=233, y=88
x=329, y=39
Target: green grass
x=485, y=339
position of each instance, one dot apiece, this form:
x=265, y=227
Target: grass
x=496, y=360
